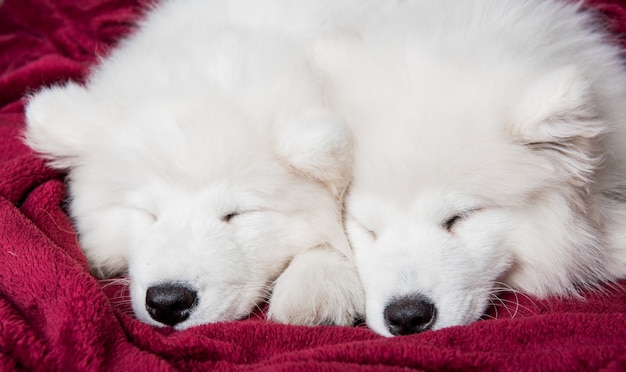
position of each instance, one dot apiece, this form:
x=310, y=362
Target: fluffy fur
x=490, y=151
x=202, y=160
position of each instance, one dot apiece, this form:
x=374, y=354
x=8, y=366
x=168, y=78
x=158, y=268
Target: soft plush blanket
x=55, y=316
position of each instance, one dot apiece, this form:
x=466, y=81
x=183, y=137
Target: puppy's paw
x=320, y=286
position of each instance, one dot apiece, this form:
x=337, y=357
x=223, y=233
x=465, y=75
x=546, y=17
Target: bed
x=54, y=315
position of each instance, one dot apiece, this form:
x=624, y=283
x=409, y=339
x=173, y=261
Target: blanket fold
x=55, y=316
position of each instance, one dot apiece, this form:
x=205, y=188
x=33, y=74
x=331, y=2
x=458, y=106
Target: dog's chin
x=458, y=308
x=210, y=308
x=378, y=324
x=202, y=319
x=197, y=317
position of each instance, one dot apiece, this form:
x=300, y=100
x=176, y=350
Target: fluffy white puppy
x=202, y=160
x=490, y=151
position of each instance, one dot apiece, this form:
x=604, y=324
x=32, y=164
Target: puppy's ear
x=318, y=144
x=55, y=121
x=558, y=116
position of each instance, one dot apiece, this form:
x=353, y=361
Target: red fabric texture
x=55, y=316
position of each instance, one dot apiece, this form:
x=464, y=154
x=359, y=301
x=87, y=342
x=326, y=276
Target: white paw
x=320, y=286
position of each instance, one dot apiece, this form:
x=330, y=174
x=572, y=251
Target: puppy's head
x=201, y=201
x=455, y=195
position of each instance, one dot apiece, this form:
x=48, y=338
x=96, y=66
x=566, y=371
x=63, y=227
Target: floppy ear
x=558, y=116
x=318, y=144
x=55, y=120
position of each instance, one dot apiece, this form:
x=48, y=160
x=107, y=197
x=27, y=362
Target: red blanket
x=55, y=316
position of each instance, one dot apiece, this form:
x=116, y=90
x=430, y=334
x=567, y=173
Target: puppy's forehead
x=403, y=164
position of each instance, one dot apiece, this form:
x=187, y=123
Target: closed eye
x=370, y=232
x=229, y=216
x=451, y=222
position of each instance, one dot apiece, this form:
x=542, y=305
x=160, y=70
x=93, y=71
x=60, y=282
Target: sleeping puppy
x=490, y=152
x=203, y=163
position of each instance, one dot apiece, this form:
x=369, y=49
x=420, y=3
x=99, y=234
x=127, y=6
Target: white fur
x=509, y=114
x=208, y=109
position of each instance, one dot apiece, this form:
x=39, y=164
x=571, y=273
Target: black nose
x=409, y=314
x=170, y=303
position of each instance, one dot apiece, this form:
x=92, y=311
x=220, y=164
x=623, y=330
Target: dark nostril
x=410, y=314
x=170, y=303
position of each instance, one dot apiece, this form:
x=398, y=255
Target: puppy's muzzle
x=170, y=303
x=409, y=314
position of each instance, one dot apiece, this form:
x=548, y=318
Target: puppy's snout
x=170, y=303
x=409, y=314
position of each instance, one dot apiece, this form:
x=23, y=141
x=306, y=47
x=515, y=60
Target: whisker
x=116, y=290
x=56, y=223
x=514, y=307
x=106, y=283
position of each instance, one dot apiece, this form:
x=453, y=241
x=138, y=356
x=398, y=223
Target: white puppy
x=202, y=160
x=491, y=143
